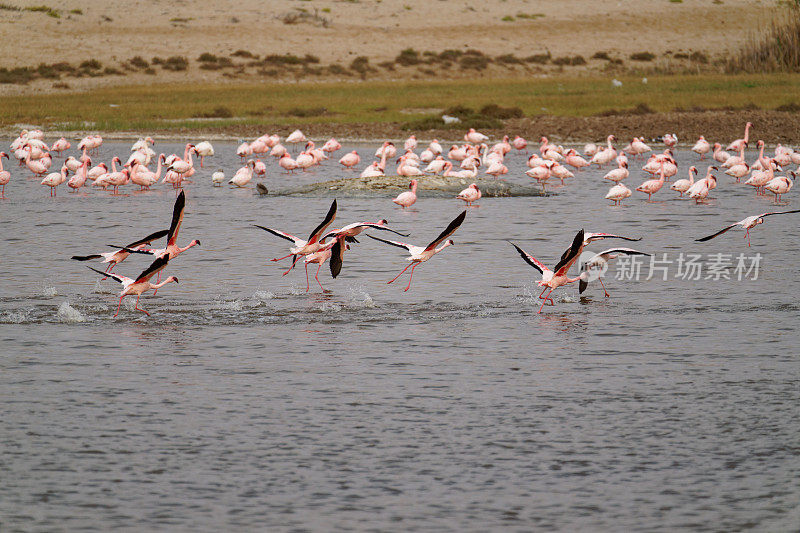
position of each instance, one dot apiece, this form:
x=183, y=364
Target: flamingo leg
x=139, y=308
x=747, y=235
x=541, y=293
x=281, y=258
x=118, y=306
x=158, y=279
x=316, y=277
x=308, y=284
x=400, y=274
x=296, y=259
x=545, y=301
x=410, y=277
x=604, y=287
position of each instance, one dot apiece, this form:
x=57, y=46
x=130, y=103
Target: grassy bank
x=201, y=107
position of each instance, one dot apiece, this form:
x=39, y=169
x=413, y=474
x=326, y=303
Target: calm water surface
x=246, y=403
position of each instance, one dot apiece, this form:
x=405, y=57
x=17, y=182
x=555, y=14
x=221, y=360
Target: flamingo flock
x=548, y=165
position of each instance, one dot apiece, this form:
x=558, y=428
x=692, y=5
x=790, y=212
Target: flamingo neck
x=442, y=247
x=159, y=285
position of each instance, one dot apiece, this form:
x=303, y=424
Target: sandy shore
x=113, y=31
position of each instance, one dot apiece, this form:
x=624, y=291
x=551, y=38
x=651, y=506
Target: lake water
x=246, y=403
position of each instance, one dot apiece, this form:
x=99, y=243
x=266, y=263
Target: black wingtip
x=582, y=286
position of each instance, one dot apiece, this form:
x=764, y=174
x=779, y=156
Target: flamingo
x=79, y=179
x=331, y=146
x=740, y=144
x=54, y=179
x=350, y=160
x=670, y=140
x=143, y=177
x=141, y=284
x=287, y=163
x=387, y=148
x=259, y=167
x=553, y=279
x=5, y=175
x=574, y=160
x=301, y=247
x=319, y=257
x=244, y=150
x=142, y=144
x=701, y=147
x=435, y=148
x=304, y=160
x=720, y=155
x=617, y=193
x=204, y=149
x=618, y=174
x=520, y=143
x=437, y=165
x=701, y=188
x=590, y=149
x=470, y=195
x=475, y=137
x=652, y=186
x=278, y=150
x=407, y=168
x=419, y=254
x=411, y=143
x=347, y=234
x=60, y=145
x=407, y=199
x=296, y=137
x=599, y=262
x=780, y=185
x=243, y=175
x=684, y=185
x=747, y=224
x=118, y=256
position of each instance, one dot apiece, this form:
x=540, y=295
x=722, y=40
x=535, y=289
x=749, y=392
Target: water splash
x=263, y=296
x=231, y=305
x=329, y=306
x=361, y=298
x=101, y=287
x=47, y=292
x=68, y=314
x=16, y=317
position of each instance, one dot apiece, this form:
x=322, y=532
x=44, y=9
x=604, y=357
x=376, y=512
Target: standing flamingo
x=408, y=198
x=419, y=254
x=470, y=195
x=5, y=175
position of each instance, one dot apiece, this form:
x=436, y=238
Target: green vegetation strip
x=196, y=106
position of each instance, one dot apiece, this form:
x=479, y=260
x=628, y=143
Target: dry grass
x=778, y=50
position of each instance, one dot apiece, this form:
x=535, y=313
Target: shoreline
x=774, y=127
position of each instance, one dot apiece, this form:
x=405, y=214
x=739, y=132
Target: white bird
x=747, y=224
x=243, y=175
x=218, y=177
x=599, y=262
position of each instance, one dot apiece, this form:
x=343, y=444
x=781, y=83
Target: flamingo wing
x=324, y=224
x=778, y=213
x=150, y=238
x=393, y=243
x=280, y=234
x=528, y=258
x=598, y=236
x=362, y=225
x=155, y=266
x=571, y=255
x=337, y=257
x=115, y=277
x=612, y=251
x=449, y=230
x=177, y=218
x=131, y=250
x=86, y=257
x=717, y=234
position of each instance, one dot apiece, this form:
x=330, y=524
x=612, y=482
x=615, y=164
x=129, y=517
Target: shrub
x=139, y=62
x=91, y=64
x=643, y=56
x=218, y=112
x=175, y=63
x=567, y=60
x=539, y=58
x=243, y=53
x=207, y=58
x=471, y=61
x=408, y=57
x=503, y=113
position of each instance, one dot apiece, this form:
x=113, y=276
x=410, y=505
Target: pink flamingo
x=287, y=163
x=650, y=187
x=740, y=144
x=701, y=147
x=747, y=224
x=301, y=247
x=411, y=143
x=54, y=179
x=118, y=256
x=520, y=144
x=5, y=175
x=419, y=254
x=407, y=199
x=470, y=195
x=350, y=160
x=684, y=185
x=141, y=284
x=79, y=179
x=553, y=279
x=60, y=145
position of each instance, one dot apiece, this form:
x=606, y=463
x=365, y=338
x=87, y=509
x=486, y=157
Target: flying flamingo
x=5, y=175
x=419, y=254
x=553, y=279
x=599, y=262
x=301, y=247
x=470, y=194
x=141, y=284
x=123, y=252
x=747, y=224
x=407, y=199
